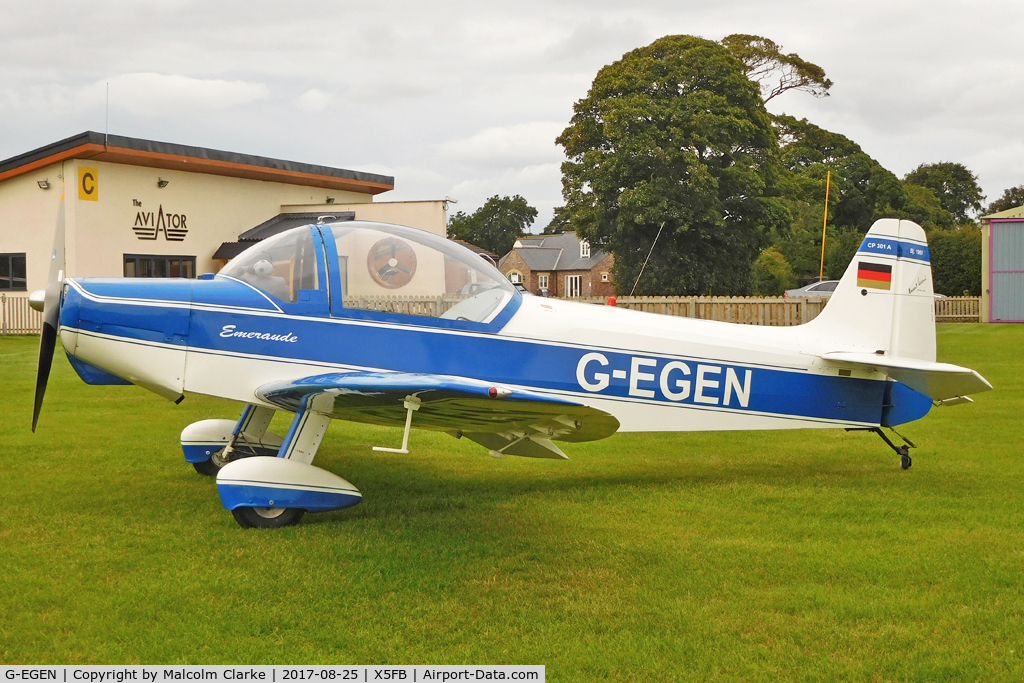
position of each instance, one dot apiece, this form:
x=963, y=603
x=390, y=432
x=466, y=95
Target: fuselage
x=223, y=337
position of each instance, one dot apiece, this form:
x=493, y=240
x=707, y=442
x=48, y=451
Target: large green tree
x=496, y=225
x=861, y=191
x=674, y=137
x=924, y=208
x=771, y=274
x=1012, y=198
x=956, y=260
x=956, y=187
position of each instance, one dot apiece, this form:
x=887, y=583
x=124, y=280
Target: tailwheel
x=902, y=451
x=266, y=517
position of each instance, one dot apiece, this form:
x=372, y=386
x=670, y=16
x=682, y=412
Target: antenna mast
x=821, y=273
x=647, y=259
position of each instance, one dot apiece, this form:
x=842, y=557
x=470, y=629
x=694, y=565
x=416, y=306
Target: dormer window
x=584, y=249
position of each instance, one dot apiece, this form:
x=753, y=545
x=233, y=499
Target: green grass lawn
x=803, y=555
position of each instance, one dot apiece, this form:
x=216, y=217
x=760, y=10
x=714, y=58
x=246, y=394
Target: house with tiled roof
x=559, y=265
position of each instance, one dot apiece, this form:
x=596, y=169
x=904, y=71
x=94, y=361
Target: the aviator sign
x=675, y=380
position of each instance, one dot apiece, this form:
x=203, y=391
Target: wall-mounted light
x=330, y=200
x=161, y=182
x=43, y=184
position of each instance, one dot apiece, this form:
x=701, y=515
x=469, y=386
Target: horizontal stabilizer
x=445, y=403
x=937, y=381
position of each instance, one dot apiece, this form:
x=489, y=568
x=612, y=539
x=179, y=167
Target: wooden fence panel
x=958, y=309
x=429, y=306
x=774, y=311
x=17, y=317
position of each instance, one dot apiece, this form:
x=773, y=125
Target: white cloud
x=314, y=101
x=390, y=90
x=516, y=145
x=607, y=40
x=140, y=94
x=471, y=95
x=153, y=94
x=539, y=184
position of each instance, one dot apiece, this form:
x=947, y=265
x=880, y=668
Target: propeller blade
x=51, y=313
x=47, y=343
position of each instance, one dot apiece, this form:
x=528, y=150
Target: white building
x=1002, y=267
x=142, y=208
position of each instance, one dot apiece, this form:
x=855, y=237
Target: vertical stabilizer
x=885, y=301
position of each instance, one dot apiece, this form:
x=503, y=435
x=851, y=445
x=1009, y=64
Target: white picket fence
x=17, y=317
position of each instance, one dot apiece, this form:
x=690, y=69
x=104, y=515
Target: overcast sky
x=464, y=99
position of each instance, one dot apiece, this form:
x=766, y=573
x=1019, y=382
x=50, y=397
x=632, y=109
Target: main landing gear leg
x=269, y=492
x=211, y=444
x=903, y=451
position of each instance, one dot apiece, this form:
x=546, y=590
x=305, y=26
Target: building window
x=515, y=277
x=604, y=277
x=573, y=286
x=584, y=249
x=12, y=273
x=148, y=265
x=542, y=282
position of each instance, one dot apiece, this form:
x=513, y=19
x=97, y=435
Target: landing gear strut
x=267, y=492
x=211, y=467
x=903, y=451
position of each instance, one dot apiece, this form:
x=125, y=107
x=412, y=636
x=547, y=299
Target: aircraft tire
x=207, y=468
x=210, y=467
x=267, y=518
x=906, y=462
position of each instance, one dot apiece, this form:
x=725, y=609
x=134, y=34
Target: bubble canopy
x=377, y=267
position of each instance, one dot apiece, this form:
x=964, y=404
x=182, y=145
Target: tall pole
x=824, y=224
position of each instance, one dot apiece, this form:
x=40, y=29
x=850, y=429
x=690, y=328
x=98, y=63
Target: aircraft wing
x=505, y=420
x=938, y=381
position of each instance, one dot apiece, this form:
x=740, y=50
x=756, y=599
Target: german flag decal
x=874, y=275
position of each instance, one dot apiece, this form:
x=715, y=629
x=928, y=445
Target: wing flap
x=525, y=446
x=938, y=381
x=447, y=403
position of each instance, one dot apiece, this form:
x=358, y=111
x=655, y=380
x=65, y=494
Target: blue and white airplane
x=391, y=325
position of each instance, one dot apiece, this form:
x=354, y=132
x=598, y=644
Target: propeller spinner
x=50, y=300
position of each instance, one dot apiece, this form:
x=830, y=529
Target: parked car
x=823, y=288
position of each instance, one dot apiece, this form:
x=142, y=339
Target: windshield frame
x=311, y=302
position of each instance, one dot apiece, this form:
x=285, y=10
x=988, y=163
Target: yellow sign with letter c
x=88, y=184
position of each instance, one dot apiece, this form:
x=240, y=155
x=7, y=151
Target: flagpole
x=824, y=225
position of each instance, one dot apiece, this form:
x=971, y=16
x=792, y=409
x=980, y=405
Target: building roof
x=277, y=224
x=555, y=252
x=490, y=256
x=1017, y=212
x=124, y=150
